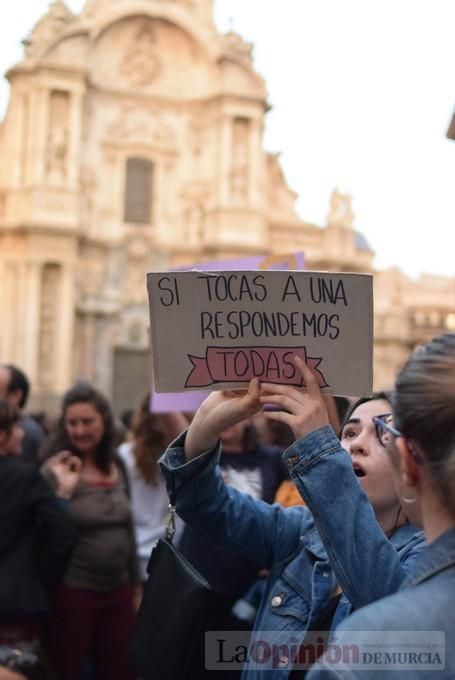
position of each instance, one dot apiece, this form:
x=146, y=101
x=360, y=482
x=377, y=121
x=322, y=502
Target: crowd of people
x=309, y=516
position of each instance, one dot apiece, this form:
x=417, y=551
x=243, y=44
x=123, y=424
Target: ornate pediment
x=48, y=28
x=136, y=128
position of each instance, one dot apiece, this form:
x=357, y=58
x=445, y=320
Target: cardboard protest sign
x=165, y=402
x=212, y=330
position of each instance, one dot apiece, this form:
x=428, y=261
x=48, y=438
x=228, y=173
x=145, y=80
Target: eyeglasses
x=385, y=432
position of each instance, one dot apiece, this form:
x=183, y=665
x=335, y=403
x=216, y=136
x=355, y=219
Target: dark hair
x=84, y=393
x=9, y=416
x=386, y=395
x=280, y=434
x=42, y=418
x=150, y=439
x=250, y=440
x=126, y=417
x=424, y=410
x=342, y=405
x=18, y=381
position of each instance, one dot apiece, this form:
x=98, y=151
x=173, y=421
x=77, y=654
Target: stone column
x=64, y=358
x=16, y=144
x=75, y=128
x=21, y=314
x=2, y=307
x=10, y=303
x=225, y=160
x=39, y=110
x=31, y=318
x=256, y=169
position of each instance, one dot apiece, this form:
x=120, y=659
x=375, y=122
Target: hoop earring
x=408, y=499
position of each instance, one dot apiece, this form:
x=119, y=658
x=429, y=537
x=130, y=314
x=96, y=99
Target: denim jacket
x=426, y=604
x=308, y=550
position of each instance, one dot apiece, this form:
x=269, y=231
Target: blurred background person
x=93, y=612
x=36, y=535
x=15, y=388
x=151, y=434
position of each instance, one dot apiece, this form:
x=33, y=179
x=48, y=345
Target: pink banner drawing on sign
x=241, y=364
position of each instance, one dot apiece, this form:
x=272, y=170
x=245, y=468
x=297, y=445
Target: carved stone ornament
x=48, y=28
x=235, y=46
x=199, y=132
x=141, y=63
x=138, y=128
x=340, y=212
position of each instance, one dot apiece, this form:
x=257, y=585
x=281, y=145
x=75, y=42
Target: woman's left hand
x=66, y=469
x=220, y=410
x=304, y=409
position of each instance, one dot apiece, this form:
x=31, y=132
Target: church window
x=138, y=191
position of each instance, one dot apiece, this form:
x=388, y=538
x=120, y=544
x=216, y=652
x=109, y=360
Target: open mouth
x=358, y=471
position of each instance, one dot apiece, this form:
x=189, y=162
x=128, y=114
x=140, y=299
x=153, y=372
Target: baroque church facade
x=133, y=142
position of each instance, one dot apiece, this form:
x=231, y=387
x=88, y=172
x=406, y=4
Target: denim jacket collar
x=314, y=545
x=403, y=535
x=438, y=556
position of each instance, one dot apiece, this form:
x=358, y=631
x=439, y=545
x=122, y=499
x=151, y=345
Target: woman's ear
x=409, y=467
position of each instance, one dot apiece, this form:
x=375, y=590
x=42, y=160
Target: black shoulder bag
x=171, y=617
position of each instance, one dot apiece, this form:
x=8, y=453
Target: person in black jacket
x=36, y=533
x=15, y=388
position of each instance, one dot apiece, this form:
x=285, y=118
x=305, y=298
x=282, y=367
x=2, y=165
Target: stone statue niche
x=58, y=137
x=240, y=160
x=340, y=212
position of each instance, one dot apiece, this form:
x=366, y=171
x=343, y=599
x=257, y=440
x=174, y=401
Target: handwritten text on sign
x=211, y=330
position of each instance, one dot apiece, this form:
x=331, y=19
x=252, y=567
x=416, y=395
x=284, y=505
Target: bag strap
x=170, y=528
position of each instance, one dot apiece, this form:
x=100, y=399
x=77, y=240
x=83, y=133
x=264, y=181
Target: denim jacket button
x=276, y=601
x=283, y=662
x=291, y=460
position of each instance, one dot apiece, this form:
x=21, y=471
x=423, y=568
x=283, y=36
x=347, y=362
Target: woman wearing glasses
x=349, y=546
x=420, y=442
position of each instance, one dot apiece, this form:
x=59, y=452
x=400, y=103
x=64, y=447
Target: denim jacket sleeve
x=251, y=528
x=366, y=563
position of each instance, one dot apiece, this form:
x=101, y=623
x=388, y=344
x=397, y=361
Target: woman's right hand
x=218, y=412
x=66, y=469
x=302, y=409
